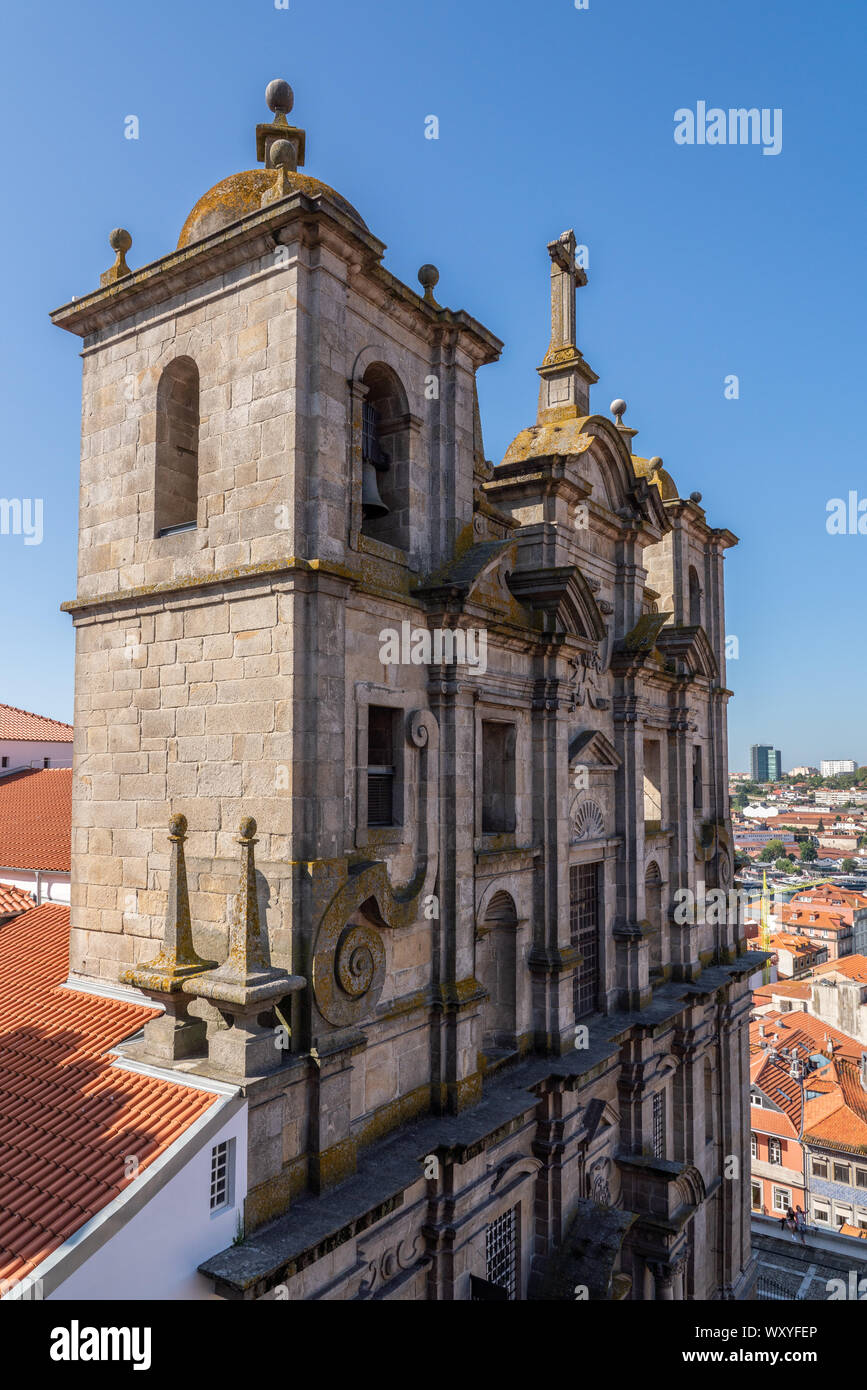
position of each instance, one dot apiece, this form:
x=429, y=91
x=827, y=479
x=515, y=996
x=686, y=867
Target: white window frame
x=754, y=1145
x=788, y=1198
x=821, y=1211
x=775, y=1147
x=817, y=1158
x=228, y=1179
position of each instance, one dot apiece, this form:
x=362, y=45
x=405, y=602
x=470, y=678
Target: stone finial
x=280, y=99
x=178, y=959
x=428, y=277
x=618, y=410
x=245, y=986
x=120, y=241
x=245, y=977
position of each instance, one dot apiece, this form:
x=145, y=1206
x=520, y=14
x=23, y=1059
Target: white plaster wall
x=54, y=887
x=25, y=752
x=156, y=1253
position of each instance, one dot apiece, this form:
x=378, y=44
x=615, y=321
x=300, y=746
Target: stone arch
x=176, y=472
x=653, y=915
x=385, y=453
x=497, y=971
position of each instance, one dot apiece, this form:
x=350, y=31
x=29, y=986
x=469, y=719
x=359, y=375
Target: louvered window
x=380, y=765
x=584, y=933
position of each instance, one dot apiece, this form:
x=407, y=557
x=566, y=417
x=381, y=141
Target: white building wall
x=155, y=1254
x=53, y=887
x=33, y=752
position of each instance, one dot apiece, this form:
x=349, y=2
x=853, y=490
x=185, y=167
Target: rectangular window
x=380, y=765
x=659, y=1124
x=4, y=762
x=498, y=778
x=842, y=1173
x=222, y=1175
x=652, y=783
x=819, y=1167
x=861, y=1177
x=501, y=1252
x=842, y=1216
x=754, y=1146
x=775, y=1151
x=756, y=1196
x=782, y=1198
x=584, y=935
x=821, y=1212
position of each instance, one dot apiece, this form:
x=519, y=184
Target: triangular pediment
x=593, y=749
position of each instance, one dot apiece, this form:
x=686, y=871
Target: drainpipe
x=38, y=887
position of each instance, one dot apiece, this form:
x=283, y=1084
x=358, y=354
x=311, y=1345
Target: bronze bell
x=372, y=505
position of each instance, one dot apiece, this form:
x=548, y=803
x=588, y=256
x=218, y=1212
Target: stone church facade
x=388, y=764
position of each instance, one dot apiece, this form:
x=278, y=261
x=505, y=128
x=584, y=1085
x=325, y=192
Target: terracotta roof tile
x=21, y=724
x=36, y=819
x=13, y=899
x=68, y=1117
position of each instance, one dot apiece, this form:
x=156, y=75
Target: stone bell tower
x=239, y=396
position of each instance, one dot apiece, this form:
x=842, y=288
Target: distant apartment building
x=766, y=763
x=832, y=767
x=804, y=772
x=30, y=740
x=796, y=955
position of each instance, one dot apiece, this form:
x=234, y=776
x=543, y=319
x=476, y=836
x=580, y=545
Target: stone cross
x=566, y=277
x=566, y=377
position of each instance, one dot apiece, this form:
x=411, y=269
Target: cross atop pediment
x=566, y=377
x=566, y=277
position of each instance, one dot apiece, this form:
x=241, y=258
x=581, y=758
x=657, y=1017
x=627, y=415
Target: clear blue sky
x=704, y=261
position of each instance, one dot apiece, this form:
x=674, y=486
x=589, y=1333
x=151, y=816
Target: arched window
x=653, y=914
x=496, y=971
x=385, y=458
x=694, y=598
x=176, y=487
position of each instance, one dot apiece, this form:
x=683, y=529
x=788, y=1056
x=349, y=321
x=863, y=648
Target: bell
x=372, y=505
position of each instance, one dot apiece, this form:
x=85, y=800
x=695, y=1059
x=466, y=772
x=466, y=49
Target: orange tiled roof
x=21, y=724
x=13, y=899
x=853, y=967
x=68, y=1118
x=36, y=819
x=764, y=1121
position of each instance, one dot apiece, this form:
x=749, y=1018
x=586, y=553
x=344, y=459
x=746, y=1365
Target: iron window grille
x=501, y=1252
x=371, y=449
x=659, y=1124
x=584, y=934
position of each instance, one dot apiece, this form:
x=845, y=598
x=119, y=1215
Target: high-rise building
x=831, y=767
x=766, y=763
x=482, y=1058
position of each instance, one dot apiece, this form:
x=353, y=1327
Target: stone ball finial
x=178, y=826
x=655, y=463
x=120, y=240
x=282, y=154
x=618, y=410
x=695, y=497
x=247, y=828
x=428, y=276
x=279, y=96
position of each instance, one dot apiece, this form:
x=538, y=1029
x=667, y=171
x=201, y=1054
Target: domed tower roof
x=281, y=148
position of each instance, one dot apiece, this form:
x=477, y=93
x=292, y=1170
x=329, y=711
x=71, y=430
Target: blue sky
x=705, y=261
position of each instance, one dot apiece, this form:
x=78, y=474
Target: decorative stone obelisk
x=174, y=1035
x=245, y=985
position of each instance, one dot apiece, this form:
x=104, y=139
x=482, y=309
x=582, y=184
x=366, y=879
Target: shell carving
x=588, y=822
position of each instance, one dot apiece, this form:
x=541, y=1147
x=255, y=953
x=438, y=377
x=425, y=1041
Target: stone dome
x=241, y=194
